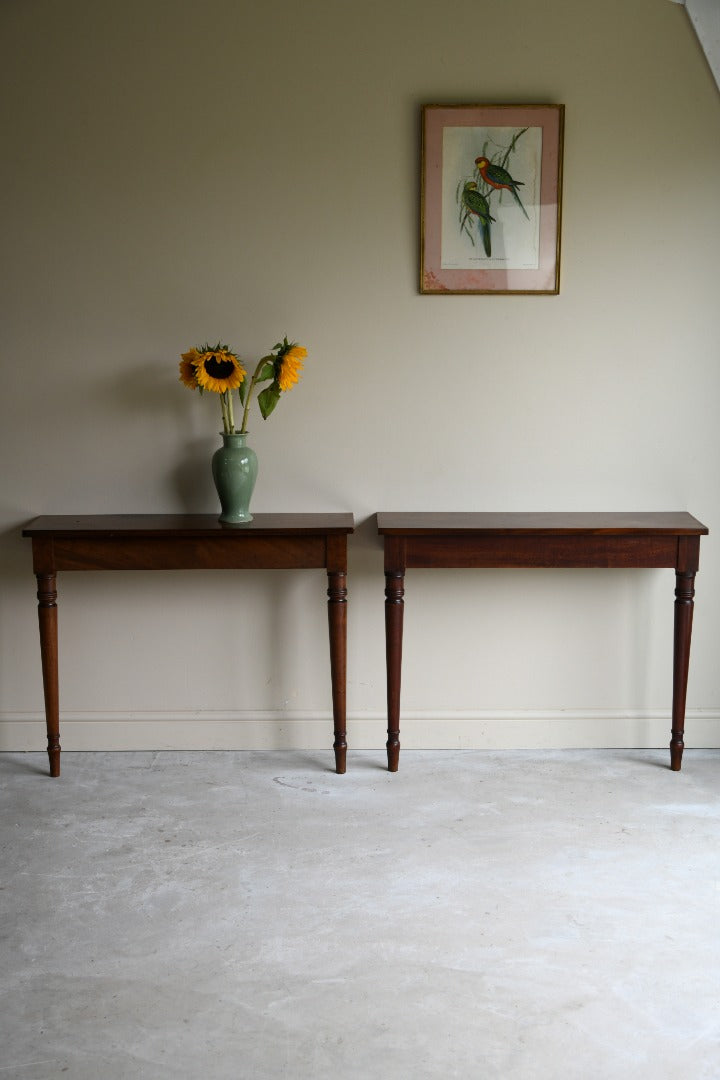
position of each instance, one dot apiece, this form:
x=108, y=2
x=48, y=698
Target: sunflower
x=217, y=369
x=291, y=363
x=187, y=369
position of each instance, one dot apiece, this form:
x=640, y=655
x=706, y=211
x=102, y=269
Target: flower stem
x=224, y=409
x=253, y=381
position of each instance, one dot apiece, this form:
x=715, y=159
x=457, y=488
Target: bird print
x=477, y=204
x=500, y=179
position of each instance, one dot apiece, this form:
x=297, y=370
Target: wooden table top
x=674, y=523
x=187, y=525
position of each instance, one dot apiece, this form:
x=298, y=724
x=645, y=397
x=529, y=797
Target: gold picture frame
x=491, y=187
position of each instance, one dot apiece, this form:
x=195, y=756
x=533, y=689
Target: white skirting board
x=491, y=730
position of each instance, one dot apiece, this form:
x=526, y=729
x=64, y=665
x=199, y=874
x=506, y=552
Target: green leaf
x=267, y=371
x=268, y=399
x=243, y=391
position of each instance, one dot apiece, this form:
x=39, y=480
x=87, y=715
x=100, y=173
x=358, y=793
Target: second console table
x=581, y=540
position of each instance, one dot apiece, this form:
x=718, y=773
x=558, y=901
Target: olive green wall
x=176, y=171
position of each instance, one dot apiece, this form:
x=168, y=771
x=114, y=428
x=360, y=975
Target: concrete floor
x=490, y=915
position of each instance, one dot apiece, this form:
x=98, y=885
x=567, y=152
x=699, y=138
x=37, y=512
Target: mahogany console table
x=540, y=540
x=190, y=542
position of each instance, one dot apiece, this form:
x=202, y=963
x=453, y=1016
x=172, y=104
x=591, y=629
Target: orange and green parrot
x=499, y=178
x=477, y=204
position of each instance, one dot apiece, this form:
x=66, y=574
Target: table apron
x=185, y=553
x=508, y=552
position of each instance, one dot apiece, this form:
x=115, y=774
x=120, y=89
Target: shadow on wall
x=18, y=594
x=192, y=474
x=15, y=551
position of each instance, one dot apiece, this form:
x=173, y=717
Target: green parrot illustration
x=477, y=204
x=500, y=178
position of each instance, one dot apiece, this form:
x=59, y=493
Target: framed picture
x=491, y=185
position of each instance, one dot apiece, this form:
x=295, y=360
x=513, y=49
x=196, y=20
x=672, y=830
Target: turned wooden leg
x=684, y=593
x=47, y=616
x=337, y=620
x=394, y=610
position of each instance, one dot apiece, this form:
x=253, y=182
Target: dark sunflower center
x=219, y=369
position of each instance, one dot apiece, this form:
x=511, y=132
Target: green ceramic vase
x=234, y=469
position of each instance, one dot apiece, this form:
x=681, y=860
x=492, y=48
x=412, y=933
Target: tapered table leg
x=394, y=611
x=684, y=594
x=47, y=616
x=337, y=621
